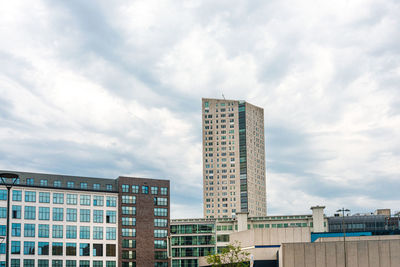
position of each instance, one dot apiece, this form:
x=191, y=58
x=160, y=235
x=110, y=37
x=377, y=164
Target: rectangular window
x=125, y=188
x=15, y=247
x=43, y=182
x=17, y=195
x=160, y=222
x=84, y=186
x=71, y=231
x=160, y=233
x=70, y=184
x=57, y=183
x=98, y=216
x=128, y=221
x=98, y=250
x=128, y=232
x=112, y=263
x=97, y=232
x=30, y=213
x=160, y=243
x=15, y=262
x=109, y=187
x=111, y=250
x=72, y=199
x=44, y=197
x=111, y=233
x=111, y=201
x=29, y=248
x=128, y=210
x=160, y=255
x=57, y=249
x=29, y=181
x=58, y=198
x=84, y=215
x=111, y=216
x=84, y=250
x=29, y=262
x=128, y=199
x=43, y=248
x=71, y=215
x=43, y=263
x=16, y=212
x=135, y=189
x=96, y=186
x=128, y=243
x=98, y=201
x=85, y=200
x=145, y=189
x=161, y=201
x=84, y=232
x=30, y=196
x=44, y=230
x=154, y=190
x=58, y=214
x=160, y=212
x=29, y=230
x=56, y=263
x=71, y=249
x=164, y=191
x=57, y=231
x=44, y=213
x=97, y=263
x=128, y=254
x=84, y=263
x=2, y=233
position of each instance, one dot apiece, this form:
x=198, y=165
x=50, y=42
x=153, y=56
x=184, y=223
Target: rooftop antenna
x=223, y=96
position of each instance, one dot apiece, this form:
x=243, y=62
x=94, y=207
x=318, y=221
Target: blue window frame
x=17, y=195
x=3, y=212
x=57, y=231
x=43, y=248
x=15, y=247
x=85, y=200
x=29, y=230
x=2, y=230
x=30, y=196
x=71, y=231
x=111, y=216
x=30, y=213
x=44, y=230
x=44, y=213
x=15, y=262
x=85, y=215
x=97, y=232
x=98, y=216
x=29, y=248
x=72, y=199
x=2, y=251
x=16, y=229
x=84, y=249
x=71, y=215
x=58, y=198
x=111, y=201
x=58, y=214
x=98, y=201
x=44, y=197
x=16, y=212
x=111, y=233
x=84, y=232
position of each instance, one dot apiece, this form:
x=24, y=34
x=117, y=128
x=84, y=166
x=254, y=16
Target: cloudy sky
x=109, y=88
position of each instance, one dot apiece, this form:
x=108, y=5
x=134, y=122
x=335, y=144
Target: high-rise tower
x=233, y=158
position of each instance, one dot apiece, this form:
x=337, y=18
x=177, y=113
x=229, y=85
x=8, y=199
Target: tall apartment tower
x=233, y=158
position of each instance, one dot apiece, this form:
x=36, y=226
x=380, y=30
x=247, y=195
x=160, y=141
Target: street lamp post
x=8, y=185
x=343, y=210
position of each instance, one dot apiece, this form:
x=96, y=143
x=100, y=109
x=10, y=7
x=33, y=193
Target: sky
x=110, y=88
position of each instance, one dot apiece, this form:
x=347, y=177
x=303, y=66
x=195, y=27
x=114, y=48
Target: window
x=57, y=231
x=109, y=187
x=111, y=201
x=3, y=212
x=44, y=230
x=160, y=222
x=70, y=184
x=70, y=263
x=160, y=233
x=160, y=243
x=17, y=195
x=30, y=213
x=164, y=191
x=98, y=201
x=96, y=186
x=154, y=190
x=145, y=189
x=84, y=186
x=160, y=212
x=85, y=200
x=128, y=254
x=29, y=248
x=125, y=188
x=128, y=221
x=43, y=248
x=128, y=243
x=84, y=263
x=71, y=215
x=135, y=189
x=15, y=247
x=111, y=250
x=72, y=199
x=84, y=232
x=43, y=182
x=30, y=196
x=112, y=263
x=128, y=232
x=43, y=263
x=56, y=263
x=57, y=183
x=111, y=233
x=57, y=248
x=29, y=181
x=160, y=255
x=97, y=263
x=98, y=250
x=71, y=249
x=2, y=231
x=111, y=216
x=44, y=213
x=71, y=231
x=128, y=199
x=58, y=214
x=16, y=212
x=97, y=232
x=44, y=197
x=98, y=216
x=84, y=250
x=85, y=215
x=15, y=262
x=58, y=198
x=161, y=264
x=128, y=210
x=3, y=194
x=160, y=201
x=29, y=230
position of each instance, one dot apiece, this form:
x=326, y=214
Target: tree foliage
x=231, y=256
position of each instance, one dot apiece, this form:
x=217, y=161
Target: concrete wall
x=363, y=253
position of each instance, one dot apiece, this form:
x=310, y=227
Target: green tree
x=231, y=256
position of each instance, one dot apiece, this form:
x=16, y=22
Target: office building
x=59, y=220
x=233, y=158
